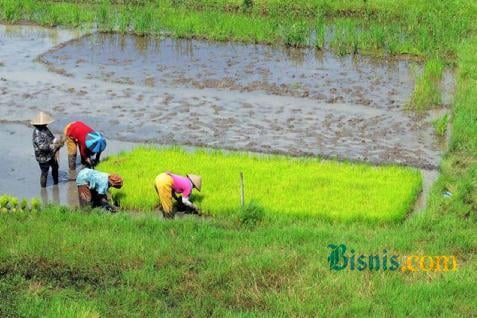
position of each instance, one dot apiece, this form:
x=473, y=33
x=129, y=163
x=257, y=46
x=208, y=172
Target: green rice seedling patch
x=279, y=184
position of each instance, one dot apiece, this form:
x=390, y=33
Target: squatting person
x=93, y=188
x=46, y=147
x=168, y=185
x=90, y=143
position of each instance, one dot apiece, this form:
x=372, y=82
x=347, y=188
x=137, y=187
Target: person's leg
x=96, y=200
x=54, y=170
x=71, y=148
x=164, y=189
x=44, y=167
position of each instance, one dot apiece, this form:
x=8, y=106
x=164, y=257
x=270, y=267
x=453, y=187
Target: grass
x=427, y=92
x=57, y=263
x=278, y=184
x=63, y=264
x=378, y=27
x=440, y=125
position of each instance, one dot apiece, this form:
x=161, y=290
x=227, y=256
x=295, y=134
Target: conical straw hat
x=42, y=119
x=196, y=181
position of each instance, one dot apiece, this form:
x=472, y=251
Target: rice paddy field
x=278, y=184
x=253, y=262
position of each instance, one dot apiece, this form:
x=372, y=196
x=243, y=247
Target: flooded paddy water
x=222, y=95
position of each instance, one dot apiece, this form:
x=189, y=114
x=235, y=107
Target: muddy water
x=191, y=63
x=180, y=113
x=254, y=98
x=20, y=173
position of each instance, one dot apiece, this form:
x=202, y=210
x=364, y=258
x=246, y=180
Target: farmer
x=89, y=142
x=168, y=185
x=46, y=147
x=93, y=187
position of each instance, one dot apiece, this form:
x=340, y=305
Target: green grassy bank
x=60, y=263
x=65, y=264
x=280, y=185
x=378, y=26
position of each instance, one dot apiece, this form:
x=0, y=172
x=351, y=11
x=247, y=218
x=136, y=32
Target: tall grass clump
x=440, y=125
x=279, y=184
x=427, y=91
x=296, y=34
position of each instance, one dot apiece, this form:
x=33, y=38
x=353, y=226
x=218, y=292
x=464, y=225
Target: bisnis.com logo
x=340, y=258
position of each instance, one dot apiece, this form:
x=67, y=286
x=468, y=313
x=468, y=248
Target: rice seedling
x=13, y=204
x=10, y=203
x=35, y=204
x=4, y=199
x=280, y=185
x=23, y=205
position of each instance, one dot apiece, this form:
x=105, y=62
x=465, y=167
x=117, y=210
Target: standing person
x=46, y=147
x=93, y=187
x=168, y=185
x=90, y=142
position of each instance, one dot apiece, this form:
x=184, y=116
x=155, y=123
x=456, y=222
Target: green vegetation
x=377, y=26
x=74, y=264
x=278, y=184
x=60, y=264
x=10, y=204
x=440, y=125
x=427, y=92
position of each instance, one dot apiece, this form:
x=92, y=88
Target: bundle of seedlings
x=11, y=204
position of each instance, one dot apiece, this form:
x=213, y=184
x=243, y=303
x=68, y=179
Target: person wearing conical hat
x=90, y=143
x=46, y=147
x=169, y=185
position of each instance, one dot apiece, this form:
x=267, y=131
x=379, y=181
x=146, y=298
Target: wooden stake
x=242, y=194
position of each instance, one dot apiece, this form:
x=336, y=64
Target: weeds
x=427, y=92
x=296, y=35
x=440, y=125
x=251, y=214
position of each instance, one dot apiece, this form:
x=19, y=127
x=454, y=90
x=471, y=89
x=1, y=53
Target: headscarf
x=115, y=181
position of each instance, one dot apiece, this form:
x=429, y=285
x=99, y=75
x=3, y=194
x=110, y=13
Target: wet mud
x=143, y=90
x=169, y=62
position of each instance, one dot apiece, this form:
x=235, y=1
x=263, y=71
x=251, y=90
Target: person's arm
x=186, y=201
x=94, y=162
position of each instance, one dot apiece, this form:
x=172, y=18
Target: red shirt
x=79, y=131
